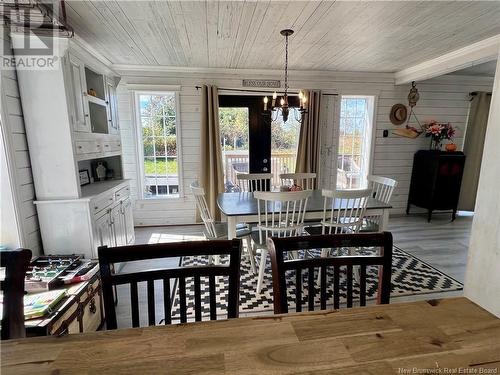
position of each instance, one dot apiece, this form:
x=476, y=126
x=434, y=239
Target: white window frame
x=140, y=144
x=369, y=138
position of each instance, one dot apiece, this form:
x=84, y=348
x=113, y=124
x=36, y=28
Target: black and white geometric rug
x=410, y=276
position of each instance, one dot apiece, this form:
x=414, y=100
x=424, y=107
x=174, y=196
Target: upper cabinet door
x=79, y=107
x=112, y=106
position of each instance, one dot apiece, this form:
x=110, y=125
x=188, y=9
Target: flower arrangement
x=438, y=132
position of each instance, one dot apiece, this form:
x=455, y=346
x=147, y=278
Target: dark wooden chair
x=16, y=264
x=108, y=256
x=278, y=247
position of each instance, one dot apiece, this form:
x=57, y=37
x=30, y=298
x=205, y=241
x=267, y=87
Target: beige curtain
x=473, y=149
x=211, y=171
x=309, y=139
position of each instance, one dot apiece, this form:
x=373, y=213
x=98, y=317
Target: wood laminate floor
x=441, y=243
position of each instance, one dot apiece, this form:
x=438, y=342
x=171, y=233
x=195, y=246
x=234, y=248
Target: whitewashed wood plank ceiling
x=329, y=35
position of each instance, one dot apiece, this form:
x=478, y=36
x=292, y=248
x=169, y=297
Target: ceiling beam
x=474, y=54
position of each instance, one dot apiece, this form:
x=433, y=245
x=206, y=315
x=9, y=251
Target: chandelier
x=284, y=107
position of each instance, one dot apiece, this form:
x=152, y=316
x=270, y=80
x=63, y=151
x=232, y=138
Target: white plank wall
x=17, y=150
x=444, y=99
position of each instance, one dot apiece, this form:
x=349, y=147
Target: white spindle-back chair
x=218, y=231
x=343, y=212
x=254, y=181
x=307, y=181
x=381, y=189
x=281, y=214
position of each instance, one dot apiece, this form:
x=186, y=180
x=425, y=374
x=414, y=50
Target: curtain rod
x=257, y=91
x=474, y=93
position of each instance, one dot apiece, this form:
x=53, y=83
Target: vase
x=435, y=144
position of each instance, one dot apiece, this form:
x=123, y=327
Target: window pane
x=171, y=145
x=148, y=146
x=158, y=120
x=171, y=168
x=354, y=142
x=161, y=166
x=160, y=146
x=170, y=126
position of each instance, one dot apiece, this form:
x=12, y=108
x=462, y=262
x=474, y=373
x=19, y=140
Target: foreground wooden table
x=449, y=334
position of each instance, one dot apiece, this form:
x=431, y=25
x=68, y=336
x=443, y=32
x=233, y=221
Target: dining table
x=453, y=336
x=241, y=207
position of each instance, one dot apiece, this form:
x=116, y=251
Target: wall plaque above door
x=272, y=83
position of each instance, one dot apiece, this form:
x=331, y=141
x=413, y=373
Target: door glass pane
x=355, y=136
x=284, y=143
x=233, y=124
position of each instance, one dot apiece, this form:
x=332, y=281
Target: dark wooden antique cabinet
x=436, y=180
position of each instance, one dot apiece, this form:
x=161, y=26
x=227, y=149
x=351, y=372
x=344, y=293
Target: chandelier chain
x=286, y=65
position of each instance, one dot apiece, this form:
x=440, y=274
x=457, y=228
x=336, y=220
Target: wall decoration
x=410, y=131
x=272, y=83
x=84, y=177
x=398, y=114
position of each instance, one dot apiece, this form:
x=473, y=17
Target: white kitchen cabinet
x=70, y=118
x=112, y=106
x=128, y=221
x=78, y=104
x=104, y=233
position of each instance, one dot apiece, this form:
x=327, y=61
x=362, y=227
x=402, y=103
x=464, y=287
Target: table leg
x=384, y=220
x=231, y=227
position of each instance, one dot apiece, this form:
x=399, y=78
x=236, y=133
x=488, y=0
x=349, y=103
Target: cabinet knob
x=96, y=207
x=79, y=146
x=106, y=145
x=86, y=115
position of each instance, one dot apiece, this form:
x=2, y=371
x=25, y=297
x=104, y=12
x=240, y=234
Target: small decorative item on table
x=438, y=132
x=296, y=187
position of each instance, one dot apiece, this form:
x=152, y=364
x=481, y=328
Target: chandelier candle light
x=284, y=105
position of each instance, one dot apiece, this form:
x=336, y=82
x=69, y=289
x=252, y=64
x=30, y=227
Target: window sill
x=162, y=199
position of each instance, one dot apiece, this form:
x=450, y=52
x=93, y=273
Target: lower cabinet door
x=128, y=218
x=118, y=226
x=104, y=231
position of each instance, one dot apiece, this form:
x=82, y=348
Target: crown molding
x=471, y=55
x=82, y=47
x=128, y=70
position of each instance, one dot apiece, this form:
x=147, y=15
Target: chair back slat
x=200, y=274
x=382, y=189
x=280, y=247
x=343, y=210
x=254, y=181
x=362, y=285
x=281, y=214
x=134, y=302
x=16, y=263
x=167, y=303
x=307, y=181
x=151, y=302
x=202, y=205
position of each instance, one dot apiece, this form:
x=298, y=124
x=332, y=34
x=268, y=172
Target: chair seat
x=221, y=231
x=369, y=226
x=314, y=230
x=256, y=239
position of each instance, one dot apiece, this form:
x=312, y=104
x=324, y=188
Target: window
x=355, y=139
x=157, y=115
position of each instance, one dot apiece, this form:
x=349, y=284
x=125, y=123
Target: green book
x=37, y=305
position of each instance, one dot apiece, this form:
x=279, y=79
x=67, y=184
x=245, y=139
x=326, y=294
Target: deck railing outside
x=237, y=161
